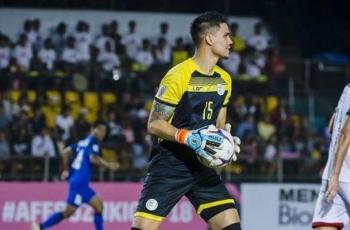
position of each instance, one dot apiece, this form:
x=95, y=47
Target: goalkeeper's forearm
x=162, y=129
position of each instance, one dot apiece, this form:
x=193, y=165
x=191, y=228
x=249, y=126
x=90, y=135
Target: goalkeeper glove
x=200, y=140
x=236, y=142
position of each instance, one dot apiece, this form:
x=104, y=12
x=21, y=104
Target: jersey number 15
x=208, y=110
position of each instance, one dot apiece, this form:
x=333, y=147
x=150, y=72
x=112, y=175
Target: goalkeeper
x=191, y=96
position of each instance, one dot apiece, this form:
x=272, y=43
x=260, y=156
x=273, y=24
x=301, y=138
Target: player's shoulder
x=223, y=73
x=177, y=74
x=87, y=141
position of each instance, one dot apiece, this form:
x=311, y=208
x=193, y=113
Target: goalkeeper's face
x=221, y=41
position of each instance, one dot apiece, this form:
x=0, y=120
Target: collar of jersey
x=196, y=67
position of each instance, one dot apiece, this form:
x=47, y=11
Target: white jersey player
x=333, y=204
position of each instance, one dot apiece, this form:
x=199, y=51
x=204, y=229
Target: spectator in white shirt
x=254, y=63
x=5, y=52
x=162, y=52
x=103, y=38
x=258, y=41
x=131, y=41
x=117, y=38
x=47, y=54
x=31, y=29
x=163, y=28
x=23, y=52
x=108, y=59
x=43, y=145
x=27, y=30
x=59, y=38
x=34, y=35
x=144, y=56
x=69, y=54
x=83, y=41
x=232, y=63
x=65, y=123
x=113, y=126
x=114, y=34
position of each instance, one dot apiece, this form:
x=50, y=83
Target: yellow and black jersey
x=198, y=99
x=174, y=170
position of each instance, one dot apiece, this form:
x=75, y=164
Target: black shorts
x=168, y=179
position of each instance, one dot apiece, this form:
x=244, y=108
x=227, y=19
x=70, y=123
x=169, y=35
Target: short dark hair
x=204, y=22
x=132, y=23
x=98, y=124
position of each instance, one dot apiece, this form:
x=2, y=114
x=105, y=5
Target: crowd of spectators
x=130, y=67
x=273, y=136
x=66, y=52
x=55, y=59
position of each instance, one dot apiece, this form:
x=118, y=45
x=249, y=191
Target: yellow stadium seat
x=91, y=116
x=31, y=95
x=91, y=101
x=51, y=112
x=109, y=98
x=109, y=154
x=72, y=99
x=14, y=95
x=296, y=120
x=271, y=103
x=54, y=96
x=75, y=109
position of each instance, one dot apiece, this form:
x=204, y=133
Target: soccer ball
x=223, y=153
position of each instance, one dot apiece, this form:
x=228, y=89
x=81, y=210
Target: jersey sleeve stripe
x=164, y=102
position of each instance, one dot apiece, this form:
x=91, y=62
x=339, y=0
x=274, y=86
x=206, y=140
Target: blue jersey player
x=77, y=160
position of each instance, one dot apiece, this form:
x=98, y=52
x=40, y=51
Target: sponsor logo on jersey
x=197, y=88
x=220, y=89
